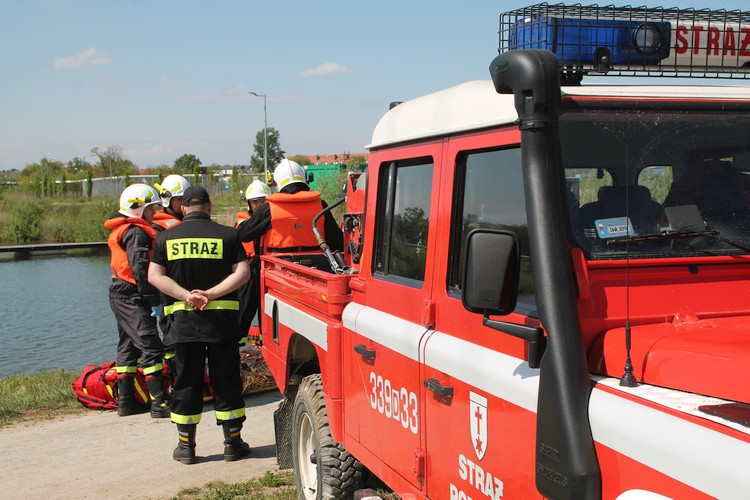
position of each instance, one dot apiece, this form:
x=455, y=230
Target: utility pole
x=265, y=132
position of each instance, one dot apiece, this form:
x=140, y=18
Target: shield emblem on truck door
x=478, y=419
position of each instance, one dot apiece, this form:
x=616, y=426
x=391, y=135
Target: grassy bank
x=27, y=397
x=25, y=218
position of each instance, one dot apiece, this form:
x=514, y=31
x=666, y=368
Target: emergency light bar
x=633, y=41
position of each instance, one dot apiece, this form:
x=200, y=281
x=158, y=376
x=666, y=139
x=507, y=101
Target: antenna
x=628, y=379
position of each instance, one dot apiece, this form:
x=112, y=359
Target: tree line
x=50, y=177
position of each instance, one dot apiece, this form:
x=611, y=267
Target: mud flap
x=282, y=423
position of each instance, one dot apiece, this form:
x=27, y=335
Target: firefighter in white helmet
x=249, y=292
x=132, y=299
x=286, y=221
x=170, y=190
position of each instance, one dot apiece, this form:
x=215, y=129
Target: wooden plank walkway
x=31, y=249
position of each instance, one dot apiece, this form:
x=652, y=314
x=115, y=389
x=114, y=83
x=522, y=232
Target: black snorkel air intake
x=566, y=463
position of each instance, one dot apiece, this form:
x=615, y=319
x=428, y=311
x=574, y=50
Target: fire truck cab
x=546, y=290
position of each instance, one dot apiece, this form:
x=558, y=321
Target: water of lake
x=54, y=313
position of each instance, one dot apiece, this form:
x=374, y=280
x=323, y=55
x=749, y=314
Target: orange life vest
x=119, y=260
x=165, y=220
x=291, y=222
x=249, y=246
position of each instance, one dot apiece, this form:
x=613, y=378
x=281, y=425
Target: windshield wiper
x=676, y=235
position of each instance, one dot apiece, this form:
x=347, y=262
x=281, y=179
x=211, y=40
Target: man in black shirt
x=199, y=265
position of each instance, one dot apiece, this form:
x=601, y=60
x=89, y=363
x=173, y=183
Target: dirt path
x=100, y=455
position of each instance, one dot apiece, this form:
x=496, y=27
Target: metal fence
x=103, y=186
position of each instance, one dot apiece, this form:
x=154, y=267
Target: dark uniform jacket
x=198, y=254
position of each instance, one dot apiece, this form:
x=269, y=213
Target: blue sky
x=164, y=78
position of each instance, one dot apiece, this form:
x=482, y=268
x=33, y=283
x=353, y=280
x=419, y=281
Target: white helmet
x=288, y=172
x=135, y=198
x=257, y=189
x=172, y=185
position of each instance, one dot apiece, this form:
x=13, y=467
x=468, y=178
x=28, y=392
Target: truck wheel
x=322, y=468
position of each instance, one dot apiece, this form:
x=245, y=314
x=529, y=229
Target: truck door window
x=404, y=192
x=489, y=194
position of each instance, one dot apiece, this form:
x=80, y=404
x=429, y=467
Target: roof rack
x=633, y=41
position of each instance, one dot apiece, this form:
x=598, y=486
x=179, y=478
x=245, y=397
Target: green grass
x=26, y=397
x=270, y=486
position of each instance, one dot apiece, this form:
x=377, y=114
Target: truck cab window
x=489, y=194
x=657, y=183
x=404, y=196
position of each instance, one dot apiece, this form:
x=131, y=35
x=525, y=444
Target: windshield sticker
x=616, y=227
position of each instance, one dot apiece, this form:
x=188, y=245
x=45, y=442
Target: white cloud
x=89, y=57
x=166, y=80
x=236, y=89
x=325, y=69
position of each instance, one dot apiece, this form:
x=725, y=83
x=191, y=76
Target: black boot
x=234, y=447
x=185, y=451
x=126, y=402
x=160, y=404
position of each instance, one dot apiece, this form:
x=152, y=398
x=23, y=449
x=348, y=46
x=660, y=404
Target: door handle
x=368, y=355
x=441, y=391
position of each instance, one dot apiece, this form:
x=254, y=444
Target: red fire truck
x=546, y=285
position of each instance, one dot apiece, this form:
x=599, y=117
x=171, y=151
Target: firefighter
x=249, y=292
x=170, y=190
x=286, y=221
x=133, y=300
x=199, y=265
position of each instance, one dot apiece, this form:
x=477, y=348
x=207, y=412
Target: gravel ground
x=99, y=455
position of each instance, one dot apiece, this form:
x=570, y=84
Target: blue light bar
x=601, y=42
x=633, y=40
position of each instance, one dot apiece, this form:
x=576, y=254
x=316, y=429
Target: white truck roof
x=475, y=105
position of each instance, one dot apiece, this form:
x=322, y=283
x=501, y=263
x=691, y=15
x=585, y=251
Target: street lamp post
x=265, y=131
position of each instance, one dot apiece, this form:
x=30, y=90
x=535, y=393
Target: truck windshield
x=657, y=180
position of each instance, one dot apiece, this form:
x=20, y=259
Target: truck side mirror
x=310, y=177
x=492, y=266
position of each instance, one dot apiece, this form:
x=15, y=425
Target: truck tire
x=322, y=468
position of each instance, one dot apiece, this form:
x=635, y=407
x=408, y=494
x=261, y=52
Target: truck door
x=480, y=417
x=383, y=387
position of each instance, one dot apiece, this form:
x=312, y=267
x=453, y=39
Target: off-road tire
x=322, y=468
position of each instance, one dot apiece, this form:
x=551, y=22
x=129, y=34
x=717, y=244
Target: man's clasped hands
x=197, y=299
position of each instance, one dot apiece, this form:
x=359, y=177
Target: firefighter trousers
x=139, y=336
x=224, y=373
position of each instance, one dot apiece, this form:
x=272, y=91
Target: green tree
x=89, y=182
x=234, y=183
x=196, y=174
x=126, y=179
x=301, y=159
x=78, y=167
x=186, y=164
x=64, y=183
x=273, y=146
x=112, y=163
x=356, y=163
